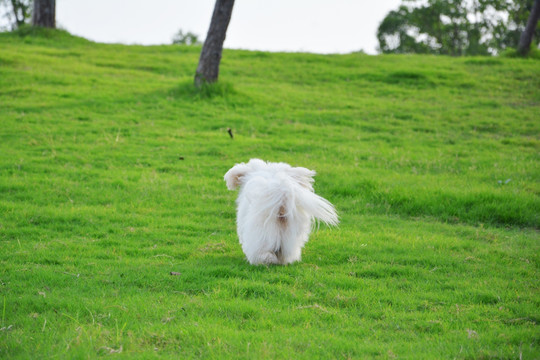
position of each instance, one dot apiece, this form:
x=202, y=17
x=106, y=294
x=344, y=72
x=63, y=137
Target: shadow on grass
x=533, y=53
x=187, y=89
x=413, y=79
x=473, y=207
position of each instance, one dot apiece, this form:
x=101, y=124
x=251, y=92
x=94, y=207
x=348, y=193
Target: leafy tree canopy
x=454, y=27
x=187, y=38
x=17, y=12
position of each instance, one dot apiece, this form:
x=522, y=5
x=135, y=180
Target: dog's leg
x=259, y=246
x=293, y=239
x=290, y=250
x=265, y=258
x=291, y=255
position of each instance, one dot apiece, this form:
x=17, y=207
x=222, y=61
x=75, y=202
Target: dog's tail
x=315, y=206
x=285, y=200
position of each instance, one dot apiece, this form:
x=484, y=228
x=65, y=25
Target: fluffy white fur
x=276, y=207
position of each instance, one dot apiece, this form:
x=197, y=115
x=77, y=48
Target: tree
x=44, y=13
x=208, y=68
x=527, y=34
x=188, y=38
x=453, y=27
x=20, y=11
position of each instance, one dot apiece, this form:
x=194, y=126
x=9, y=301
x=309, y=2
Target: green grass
x=111, y=177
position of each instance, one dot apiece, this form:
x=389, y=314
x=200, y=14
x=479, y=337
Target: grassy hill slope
x=111, y=177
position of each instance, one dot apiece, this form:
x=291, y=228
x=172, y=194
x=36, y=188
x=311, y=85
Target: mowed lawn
x=118, y=235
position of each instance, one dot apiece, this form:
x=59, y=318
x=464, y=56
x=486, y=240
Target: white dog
x=276, y=206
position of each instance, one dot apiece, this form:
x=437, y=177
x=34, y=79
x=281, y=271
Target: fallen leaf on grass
x=217, y=247
x=111, y=350
x=471, y=334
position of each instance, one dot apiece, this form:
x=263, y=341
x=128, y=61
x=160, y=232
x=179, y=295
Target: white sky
x=321, y=26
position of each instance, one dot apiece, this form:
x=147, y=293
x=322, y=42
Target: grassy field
x=111, y=178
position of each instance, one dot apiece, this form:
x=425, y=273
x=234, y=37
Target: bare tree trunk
x=527, y=34
x=208, y=69
x=44, y=13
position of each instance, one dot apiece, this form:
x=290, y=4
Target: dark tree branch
x=20, y=11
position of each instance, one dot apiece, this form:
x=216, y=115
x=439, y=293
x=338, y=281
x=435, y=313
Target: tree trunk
x=527, y=34
x=208, y=69
x=44, y=13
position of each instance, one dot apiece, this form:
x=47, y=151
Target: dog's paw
x=267, y=258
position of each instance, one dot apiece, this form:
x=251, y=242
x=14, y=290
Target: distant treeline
x=459, y=27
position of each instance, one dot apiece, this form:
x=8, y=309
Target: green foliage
x=43, y=36
x=463, y=27
x=17, y=12
x=534, y=53
x=111, y=178
x=189, y=38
